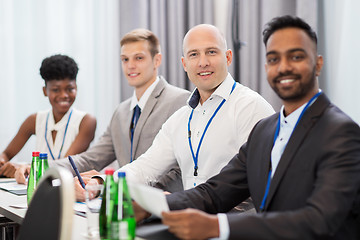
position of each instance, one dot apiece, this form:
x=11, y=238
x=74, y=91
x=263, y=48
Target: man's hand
x=191, y=224
x=88, y=180
x=21, y=173
x=140, y=213
x=2, y=161
x=8, y=169
x=80, y=191
x=90, y=173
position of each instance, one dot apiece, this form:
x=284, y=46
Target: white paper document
x=80, y=207
x=6, y=180
x=10, y=186
x=151, y=199
x=19, y=206
x=13, y=187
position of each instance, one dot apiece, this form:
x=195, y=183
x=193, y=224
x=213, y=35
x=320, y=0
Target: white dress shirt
x=143, y=99
x=287, y=125
x=227, y=132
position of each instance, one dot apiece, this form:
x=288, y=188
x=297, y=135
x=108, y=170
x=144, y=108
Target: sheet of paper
x=19, y=206
x=80, y=207
x=5, y=180
x=151, y=199
x=13, y=187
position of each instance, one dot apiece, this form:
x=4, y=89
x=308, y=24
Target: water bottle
x=43, y=166
x=107, y=205
x=123, y=219
x=32, y=181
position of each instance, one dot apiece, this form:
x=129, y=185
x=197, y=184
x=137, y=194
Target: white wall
x=342, y=51
x=86, y=30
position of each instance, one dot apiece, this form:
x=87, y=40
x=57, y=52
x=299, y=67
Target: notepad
x=14, y=187
x=80, y=208
x=19, y=206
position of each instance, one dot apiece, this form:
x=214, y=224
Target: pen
x=76, y=171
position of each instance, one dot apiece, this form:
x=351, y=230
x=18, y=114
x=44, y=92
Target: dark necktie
x=136, y=116
x=134, y=121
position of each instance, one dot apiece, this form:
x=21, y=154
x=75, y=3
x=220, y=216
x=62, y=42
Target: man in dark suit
x=300, y=166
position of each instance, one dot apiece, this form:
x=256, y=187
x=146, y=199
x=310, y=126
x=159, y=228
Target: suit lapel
x=145, y=113
x=127, y=118
x=266, y=153
x=298, y=136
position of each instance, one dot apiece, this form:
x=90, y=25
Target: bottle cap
x=109, y=171
x=121, y=174
x=35, y=154
x=43, y=155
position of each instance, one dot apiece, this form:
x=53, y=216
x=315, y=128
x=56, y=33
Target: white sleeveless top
x=55, y=147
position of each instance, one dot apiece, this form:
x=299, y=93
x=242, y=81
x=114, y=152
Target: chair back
x=50, y=214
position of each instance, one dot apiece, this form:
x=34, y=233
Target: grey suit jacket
x=315, y=192
x=114, y=144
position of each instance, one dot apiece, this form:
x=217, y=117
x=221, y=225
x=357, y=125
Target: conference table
x=10, y=207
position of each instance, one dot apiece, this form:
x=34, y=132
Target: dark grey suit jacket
x=115, y=143
x=314, y=193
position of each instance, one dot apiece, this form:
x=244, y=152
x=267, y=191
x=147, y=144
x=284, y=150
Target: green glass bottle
x=43, y=166
x=32, y=181
x=123, y=218
x=107, y=205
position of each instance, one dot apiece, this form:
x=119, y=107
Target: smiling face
x=292, y=65
x=206, y=59
x=139, y=67
x=61, y=94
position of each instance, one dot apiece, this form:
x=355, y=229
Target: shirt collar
x=52, y=126
x=292, y=118
x=143, y=100
x=223, y=91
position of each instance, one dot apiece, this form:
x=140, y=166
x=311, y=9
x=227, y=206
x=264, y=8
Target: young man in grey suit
x=202, y=136
x=300, y=166
x=128, y=136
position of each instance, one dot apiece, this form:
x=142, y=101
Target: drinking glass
x=93, y=198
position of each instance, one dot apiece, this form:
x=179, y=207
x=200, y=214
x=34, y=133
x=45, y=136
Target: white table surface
x=8, y=199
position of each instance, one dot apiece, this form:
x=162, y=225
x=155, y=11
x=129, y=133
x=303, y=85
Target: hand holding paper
x=151, y=199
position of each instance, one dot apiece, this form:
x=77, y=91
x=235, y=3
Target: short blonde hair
x=142, y=34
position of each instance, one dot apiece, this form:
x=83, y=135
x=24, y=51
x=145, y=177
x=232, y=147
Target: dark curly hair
x=286, y=22
x=58, y=67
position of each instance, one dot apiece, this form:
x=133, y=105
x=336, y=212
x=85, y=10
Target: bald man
x=203, y=135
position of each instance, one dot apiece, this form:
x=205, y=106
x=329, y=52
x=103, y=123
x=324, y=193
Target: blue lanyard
x=275, y=137
x=196, y=157
x=47, y=143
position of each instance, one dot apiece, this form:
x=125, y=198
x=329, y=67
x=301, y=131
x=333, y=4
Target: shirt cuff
x=102, y=177
x=223, y=227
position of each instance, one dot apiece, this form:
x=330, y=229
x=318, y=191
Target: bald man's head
x=206, y=58
x=201, y=28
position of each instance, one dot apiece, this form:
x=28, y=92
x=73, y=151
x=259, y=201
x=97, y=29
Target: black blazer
x=314, y=193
